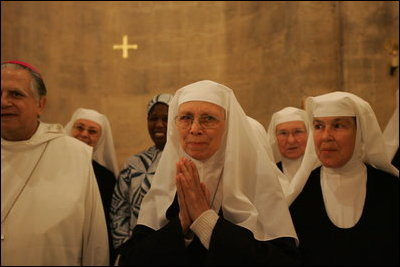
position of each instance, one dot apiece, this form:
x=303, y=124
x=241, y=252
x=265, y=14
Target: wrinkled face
x=87, y=131
x=20, y=105
x=201, y=128
x=292, y=139
x=157, y=122
x=334, y=139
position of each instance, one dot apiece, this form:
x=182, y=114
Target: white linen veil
x=251, y=193
x=370, y=144
x=284, y=115
x=104, y=151
x=391, y=132
x=262, y=135
x=290, y=166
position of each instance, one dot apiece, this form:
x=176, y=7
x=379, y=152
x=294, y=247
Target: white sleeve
x=95, y=239
x=204, y=225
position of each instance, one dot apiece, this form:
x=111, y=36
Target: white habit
x=51, y=210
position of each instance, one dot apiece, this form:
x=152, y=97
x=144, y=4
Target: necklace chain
x=216, y=190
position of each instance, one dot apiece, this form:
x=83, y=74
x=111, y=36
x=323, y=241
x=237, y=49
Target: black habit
x=374, y=240
x=106, y=182
x=230, y=244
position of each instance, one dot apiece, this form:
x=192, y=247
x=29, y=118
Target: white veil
x=252, y=196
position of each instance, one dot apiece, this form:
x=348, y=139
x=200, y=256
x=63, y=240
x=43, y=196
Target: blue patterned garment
x=133, y=183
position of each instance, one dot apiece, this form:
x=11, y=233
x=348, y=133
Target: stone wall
x=271, y=53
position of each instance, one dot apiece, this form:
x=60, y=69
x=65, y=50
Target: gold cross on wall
x=125, y=46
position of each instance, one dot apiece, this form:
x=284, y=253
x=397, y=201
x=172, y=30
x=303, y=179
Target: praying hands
x=193, y=195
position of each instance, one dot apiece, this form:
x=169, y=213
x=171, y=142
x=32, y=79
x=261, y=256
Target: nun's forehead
x=289, y=114
x=336, y=118
x=89, y=122
x=206, y=92
x=199, y=104
x=331, y=106
x=91, y=116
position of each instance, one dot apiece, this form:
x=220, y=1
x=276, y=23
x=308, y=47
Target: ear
x=41, y=105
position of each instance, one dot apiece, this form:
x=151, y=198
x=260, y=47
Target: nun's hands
x=193, y=196
x=183, y=212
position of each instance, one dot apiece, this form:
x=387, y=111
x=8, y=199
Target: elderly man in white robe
x=51, y=210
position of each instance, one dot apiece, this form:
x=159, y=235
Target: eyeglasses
x=205, y=121
x=284, y=134
x=90, y=130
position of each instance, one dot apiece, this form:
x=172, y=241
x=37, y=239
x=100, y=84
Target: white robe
x=58, y=218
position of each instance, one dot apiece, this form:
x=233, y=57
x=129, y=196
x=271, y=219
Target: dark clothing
x=133, y=183
x=279, y=165
x=395, y=160
x=106, y=182
x=374, y=240
x=230, y=244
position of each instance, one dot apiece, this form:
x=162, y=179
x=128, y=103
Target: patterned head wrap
x=161, y=98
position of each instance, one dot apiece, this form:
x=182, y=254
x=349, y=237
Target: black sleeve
x=231, y=244
x=165, y=246
x=149, y=247
x=106, y=182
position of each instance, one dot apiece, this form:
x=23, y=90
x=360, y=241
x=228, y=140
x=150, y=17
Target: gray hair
x=37, y=84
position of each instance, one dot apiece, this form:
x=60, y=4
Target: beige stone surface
x=271, y=53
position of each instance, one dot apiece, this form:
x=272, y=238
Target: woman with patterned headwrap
x=137, y=173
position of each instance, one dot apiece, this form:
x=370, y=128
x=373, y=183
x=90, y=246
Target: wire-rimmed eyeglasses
x=205, y=121
x=296, y=133
x=90, y=130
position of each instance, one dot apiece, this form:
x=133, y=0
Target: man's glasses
x=205, y=121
